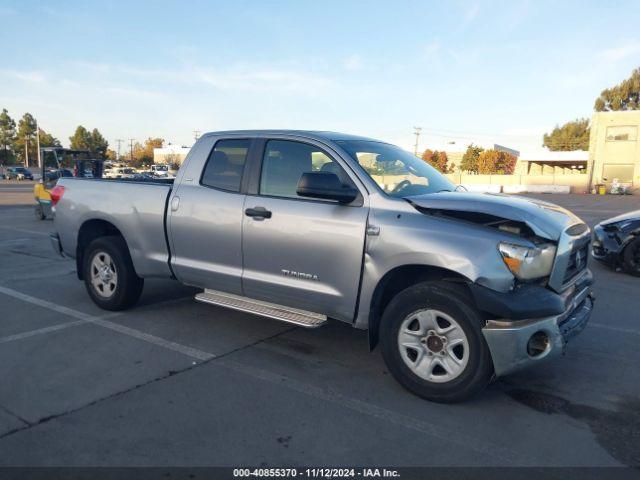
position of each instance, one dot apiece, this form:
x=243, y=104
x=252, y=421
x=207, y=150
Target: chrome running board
x=302, y=318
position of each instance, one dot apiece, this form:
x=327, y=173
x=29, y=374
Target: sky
x=483, y=71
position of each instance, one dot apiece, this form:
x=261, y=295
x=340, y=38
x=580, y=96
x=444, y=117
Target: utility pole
x=416, y=132
x=119, y=142
x=38, y=145
x=196, y=134
x=26, y=151
x=131, y=140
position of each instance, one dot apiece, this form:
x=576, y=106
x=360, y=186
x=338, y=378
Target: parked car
x=304, y=227
x=160, y=170
x=119, y=172
x=19, y=173
x=616, y=242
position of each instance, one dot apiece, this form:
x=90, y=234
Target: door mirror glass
x=326, y=186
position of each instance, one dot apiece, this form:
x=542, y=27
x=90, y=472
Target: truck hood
x=545, y=219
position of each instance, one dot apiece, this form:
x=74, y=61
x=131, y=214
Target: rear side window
x=225, y=165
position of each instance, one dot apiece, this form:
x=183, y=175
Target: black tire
x=128, y=286
x=453, y=301
x=631, y=258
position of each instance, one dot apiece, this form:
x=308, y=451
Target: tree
x=624, y=96
x=25, y=139
x=81, y=139
x=48, y=140
x=437, y=160
x=143, y=154
x=469, y=162
x=98, y=143
x=572, y=135
x=173, y=160
x=93, y=141
x=110, y=154
x=496, y=161
x=7, y=137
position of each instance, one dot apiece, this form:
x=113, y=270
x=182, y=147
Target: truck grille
x=577, y=261
x=571, y=259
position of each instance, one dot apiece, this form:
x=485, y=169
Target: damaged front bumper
x=515, y=345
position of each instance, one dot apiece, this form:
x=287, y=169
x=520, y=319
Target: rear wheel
x=631, y=258
x=432, y=342
x=109, y=275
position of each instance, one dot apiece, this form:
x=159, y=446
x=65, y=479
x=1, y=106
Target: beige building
x=170, y=154
x=614, y=148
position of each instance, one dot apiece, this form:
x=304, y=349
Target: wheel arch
x=89, y=231
x=400, y=278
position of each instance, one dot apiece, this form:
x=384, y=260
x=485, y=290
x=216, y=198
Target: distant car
x=616, y=242
x=19, y=173
x=54, y=175
x=119, y=172
x=88, y=173
x=144, y=176
x=160, y=170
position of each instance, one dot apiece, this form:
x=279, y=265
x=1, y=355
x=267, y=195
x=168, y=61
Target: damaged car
x=616, y=242
x=308, y=227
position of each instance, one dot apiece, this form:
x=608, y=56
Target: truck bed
x=136, y=208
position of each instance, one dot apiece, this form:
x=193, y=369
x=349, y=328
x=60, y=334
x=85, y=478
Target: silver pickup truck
x=303, y=227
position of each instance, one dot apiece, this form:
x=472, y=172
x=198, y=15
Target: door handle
x=175, y=204
x=257, y=212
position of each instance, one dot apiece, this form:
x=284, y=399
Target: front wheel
x=432, y=342
x=109, y=275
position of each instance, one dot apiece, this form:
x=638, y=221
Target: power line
x=131, y=140
x=196, y=134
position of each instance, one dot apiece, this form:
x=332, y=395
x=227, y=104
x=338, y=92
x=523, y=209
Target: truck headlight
x=528, y=263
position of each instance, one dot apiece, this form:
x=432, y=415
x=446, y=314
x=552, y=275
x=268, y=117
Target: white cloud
x=431, y=49
x=353, y=63
x=615, y=54
x=25, y=76
x=260, y=80
x=471, y=14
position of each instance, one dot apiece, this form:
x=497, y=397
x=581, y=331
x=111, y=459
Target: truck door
x=301, y=252
x=206, y=217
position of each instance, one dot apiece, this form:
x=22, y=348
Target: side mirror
x=327, y=186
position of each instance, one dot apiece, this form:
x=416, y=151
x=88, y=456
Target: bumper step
x=302, y=318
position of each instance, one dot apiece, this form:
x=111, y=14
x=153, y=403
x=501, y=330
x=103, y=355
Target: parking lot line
x=101, y=321
x=41, y=331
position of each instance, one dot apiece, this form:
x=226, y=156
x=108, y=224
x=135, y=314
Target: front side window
x=225, y=165
x=397, y=172
x=285, y=161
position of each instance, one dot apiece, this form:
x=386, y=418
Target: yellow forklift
x=56, y=163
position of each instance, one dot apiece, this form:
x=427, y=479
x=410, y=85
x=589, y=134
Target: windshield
x=397, y=172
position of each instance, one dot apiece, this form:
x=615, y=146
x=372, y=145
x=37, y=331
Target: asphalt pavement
x=173, y=382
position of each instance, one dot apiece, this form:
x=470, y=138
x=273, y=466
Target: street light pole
x=38, y=145
x=26, y=151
